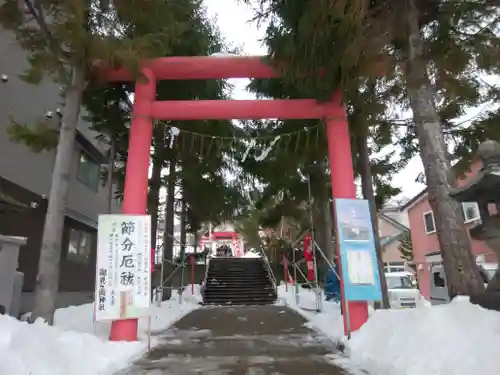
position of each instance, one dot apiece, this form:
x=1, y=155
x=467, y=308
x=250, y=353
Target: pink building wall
x=391, y=252
x=423, y=243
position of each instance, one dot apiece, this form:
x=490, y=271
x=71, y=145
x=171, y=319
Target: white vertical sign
x=123, y=273
x=360, y=267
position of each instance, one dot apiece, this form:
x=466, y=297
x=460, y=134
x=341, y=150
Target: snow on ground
x=78, y=346
x=330, y=316
x=81, y=318
x=251, y=254
x=38, y=349
x=457, y=338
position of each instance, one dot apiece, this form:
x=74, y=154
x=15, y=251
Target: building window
x=439, y=282
x=79, y=245
x=394, y=267
x=470, y=211
x=89, y=172
x=430, y=225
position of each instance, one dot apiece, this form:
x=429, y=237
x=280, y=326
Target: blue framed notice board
x=357, y=250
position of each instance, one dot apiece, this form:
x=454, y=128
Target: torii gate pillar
x=342, y=180
x=215, y=67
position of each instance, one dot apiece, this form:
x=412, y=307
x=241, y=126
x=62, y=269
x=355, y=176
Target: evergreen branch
x=37, y=13
x=406, y=247
x=488, y=26
x=43, y=137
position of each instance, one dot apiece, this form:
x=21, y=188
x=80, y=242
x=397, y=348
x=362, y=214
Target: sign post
x=296, y=285
x=123, y=277
x=285, y=273
x=308, y=256
x=193, y=265
x=358, y=258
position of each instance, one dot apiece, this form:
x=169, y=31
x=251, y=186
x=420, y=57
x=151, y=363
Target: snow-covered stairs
x=238, y=281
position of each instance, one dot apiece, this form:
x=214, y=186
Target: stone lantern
x=484, y=188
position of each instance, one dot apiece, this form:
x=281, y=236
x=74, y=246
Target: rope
x=262, y=137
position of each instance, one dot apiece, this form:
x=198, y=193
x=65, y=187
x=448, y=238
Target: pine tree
x=367, y=105
x=197, y=152
x=453, y=240
x=373, y=40
x=68, y=41
x=406, y=247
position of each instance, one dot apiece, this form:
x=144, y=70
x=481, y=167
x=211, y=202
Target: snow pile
x=329, y=320
x=38, y=349
x=251, y=254
x=81, y=318
x=192, y=294
x=78, y=346
x=457, y=338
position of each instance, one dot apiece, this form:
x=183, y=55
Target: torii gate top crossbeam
x=201, y=67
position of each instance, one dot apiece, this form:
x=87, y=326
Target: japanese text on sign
x=123, y=282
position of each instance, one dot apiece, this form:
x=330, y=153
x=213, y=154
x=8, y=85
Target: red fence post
x=285, y=273
x=193, y=264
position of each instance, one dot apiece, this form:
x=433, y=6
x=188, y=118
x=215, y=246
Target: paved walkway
x=263, y=340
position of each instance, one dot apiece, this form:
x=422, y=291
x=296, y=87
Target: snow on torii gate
x=146, y=108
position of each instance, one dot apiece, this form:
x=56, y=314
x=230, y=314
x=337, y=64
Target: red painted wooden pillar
x=136, y=177
x=192, y=258
x=342, y=178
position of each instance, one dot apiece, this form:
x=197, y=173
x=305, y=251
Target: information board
x=357, y=250
x=123, y=272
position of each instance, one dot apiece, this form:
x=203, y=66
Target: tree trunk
x=369, y=195
x=155, y=182
x=168, y=235
x=196, y=239
x=330, y=246
x=462, y=274
x=320, y=228
x=47, y=281
x=182, y=224
x=111, y=170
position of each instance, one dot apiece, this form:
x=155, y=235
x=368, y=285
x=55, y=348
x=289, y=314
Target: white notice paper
x=123, y=279
x=360, y=267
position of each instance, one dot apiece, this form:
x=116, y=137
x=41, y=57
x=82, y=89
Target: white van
x=439, y=291
x=403, y=290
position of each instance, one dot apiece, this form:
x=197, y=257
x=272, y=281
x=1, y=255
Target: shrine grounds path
x=250, y=340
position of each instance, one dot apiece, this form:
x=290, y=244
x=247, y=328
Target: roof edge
x=414, y=200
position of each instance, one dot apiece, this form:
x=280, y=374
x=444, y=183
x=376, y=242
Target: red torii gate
x=221, y=67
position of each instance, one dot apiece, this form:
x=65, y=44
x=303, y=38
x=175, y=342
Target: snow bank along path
x=76, y=345
x=38, y=349
x=458, y=338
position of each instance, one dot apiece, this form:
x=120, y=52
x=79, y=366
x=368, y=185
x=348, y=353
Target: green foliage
x=42, y=137
x=32, y=76
x=406, y=247
x=461, y=48
x=356, y=44
x=249, y=227
x=285, y=174
x=200, y=161
x=68, y=33
x=60, y=35
x=108, y=110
